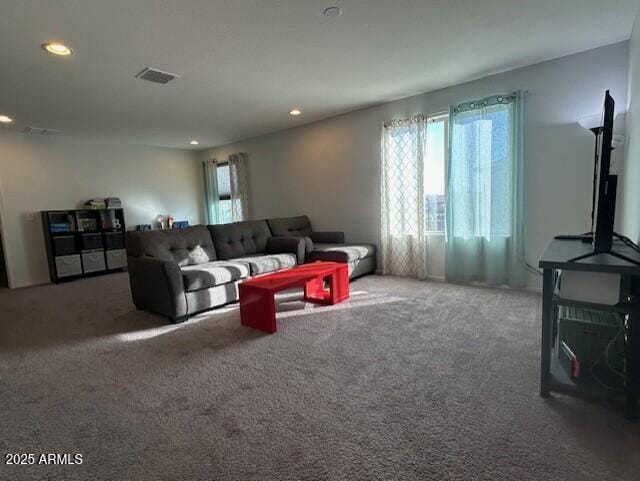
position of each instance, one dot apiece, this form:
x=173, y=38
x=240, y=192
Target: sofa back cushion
x=189, y=246
x=239, y=239
x=298, y=226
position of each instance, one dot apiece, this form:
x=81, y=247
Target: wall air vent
x=40, y=131
x=156, y=76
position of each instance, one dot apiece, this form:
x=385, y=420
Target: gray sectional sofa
x=180, y=272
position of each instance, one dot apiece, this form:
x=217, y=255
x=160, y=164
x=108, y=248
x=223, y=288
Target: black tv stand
x=559, y=256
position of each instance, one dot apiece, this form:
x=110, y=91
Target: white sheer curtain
x=238, y=173
x=404, y=242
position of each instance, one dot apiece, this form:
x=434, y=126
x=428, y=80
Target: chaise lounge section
x=327, y=246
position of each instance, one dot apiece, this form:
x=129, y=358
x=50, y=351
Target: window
x=414, y=154
x=224, y=192
x=434, y=173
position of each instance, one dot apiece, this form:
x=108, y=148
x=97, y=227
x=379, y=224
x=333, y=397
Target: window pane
x=224, y=182
x=434, y=176
x=225, y=211
x=480, y=165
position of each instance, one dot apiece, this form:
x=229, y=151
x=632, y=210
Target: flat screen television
x=603, y=206
x=605, y=184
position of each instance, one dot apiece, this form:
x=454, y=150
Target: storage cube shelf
x=84, y=242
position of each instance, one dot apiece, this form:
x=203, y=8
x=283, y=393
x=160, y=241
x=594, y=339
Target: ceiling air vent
x=156, y=76
x=40, y=131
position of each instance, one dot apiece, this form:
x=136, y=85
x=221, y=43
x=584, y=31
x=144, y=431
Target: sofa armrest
x=292, y=245
x=157, y=286
x=328, y=237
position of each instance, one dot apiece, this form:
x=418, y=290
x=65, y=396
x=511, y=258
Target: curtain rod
x=435, y=116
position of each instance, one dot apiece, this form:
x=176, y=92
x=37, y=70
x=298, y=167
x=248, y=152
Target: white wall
x=43, y=173
x=330, y=169
x=630, y=223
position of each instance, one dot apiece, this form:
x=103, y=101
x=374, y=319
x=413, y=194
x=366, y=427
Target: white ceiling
x=245, y=63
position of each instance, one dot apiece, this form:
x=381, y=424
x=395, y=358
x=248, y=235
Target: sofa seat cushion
x=261, y=264
x=211, y=274
x=341, y=252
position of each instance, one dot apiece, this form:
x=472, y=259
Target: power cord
x=530, y=268
x=607, y=362
x=605, y=357
x=628, y=242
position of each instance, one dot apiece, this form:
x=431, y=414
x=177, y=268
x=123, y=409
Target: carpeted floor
x=407, y=380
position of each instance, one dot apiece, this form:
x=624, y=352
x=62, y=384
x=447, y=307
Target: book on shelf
x=96, y=203
x=113, y=203
x=107, y=203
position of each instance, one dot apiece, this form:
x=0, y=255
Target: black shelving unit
x=84, y=242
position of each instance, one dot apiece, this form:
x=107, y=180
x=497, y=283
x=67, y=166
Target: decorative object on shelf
x=181, y=224
x=109, y=220
x=169, y=222
x=96, y=203
x=160, y=221
x=144, y=227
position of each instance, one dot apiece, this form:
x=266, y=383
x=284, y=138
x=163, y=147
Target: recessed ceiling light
x=5, y=119
x=194, y=142
x=57, y=48
x=332, y=12
x=295, y=112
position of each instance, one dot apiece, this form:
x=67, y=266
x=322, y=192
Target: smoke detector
x=157, y=76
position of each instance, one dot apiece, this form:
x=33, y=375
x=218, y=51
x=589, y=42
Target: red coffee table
x=257, y=303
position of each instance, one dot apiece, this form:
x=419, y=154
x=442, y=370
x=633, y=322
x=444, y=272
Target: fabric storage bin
x=91, y=241
x=68, y=265
x=114, y=240
x=93, y=261
x=64, y=245
x=116, y=259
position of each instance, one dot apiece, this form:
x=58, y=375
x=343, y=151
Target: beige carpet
x=406, y=381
